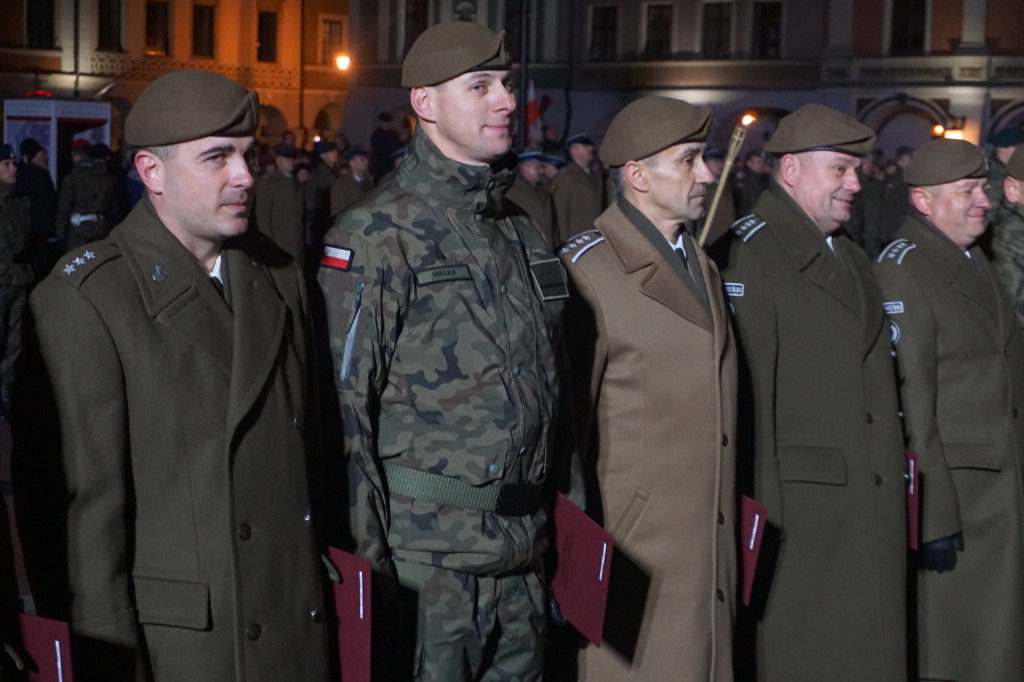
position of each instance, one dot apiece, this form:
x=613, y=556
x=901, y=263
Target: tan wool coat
x=961, y=361
x=654, y=378
x=164, y=485
x=825, y=453
x=579, y=199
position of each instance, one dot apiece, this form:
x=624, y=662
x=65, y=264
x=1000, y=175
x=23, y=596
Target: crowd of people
x=235, y=358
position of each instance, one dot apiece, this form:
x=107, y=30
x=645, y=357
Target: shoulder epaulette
x=581, y=243
x=747, y=226
x=77, y=265
x=896, y=251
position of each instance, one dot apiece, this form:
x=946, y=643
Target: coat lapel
x=174, y=289
x=660, y=279
x=259, y=323
x=872, y=310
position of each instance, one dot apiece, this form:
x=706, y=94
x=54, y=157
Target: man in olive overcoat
x=280, y=205
x=827, y=455
x=654, y=374
x=961, y=362
x=578, y=189
x=174, y=357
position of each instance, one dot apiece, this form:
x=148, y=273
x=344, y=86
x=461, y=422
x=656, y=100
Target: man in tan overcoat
x=961, y=362
x=164, y=463
x=654, y=374
x=822, y=444
x=578, y=190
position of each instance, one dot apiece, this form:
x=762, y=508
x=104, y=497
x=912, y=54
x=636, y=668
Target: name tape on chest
x=443, y=273
x=337, y=257
x=733, y=289
x=549, y=276
x=894, y=307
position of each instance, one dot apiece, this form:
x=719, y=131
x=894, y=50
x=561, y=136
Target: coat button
x=503, y=289
x=317, y=615
x=720, y=595
x=493, y=468
x=244, y=531
x=254, y=631
x=490, y=185
x=297, y=422
x=878, y=480
x=515, y=370
x=721, y=518
x=868, y=418
x=725, y=440
x=479, y=217
x=506, y=523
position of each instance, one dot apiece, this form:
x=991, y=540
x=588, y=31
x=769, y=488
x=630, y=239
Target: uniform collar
x=803, y=240
x=432, y=175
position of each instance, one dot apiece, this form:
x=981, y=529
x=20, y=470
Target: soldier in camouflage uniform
x=15, y=271
x=1008, y=235
x=87, y=203
x=1004, y=143
x=442, y=300
x=867, y=224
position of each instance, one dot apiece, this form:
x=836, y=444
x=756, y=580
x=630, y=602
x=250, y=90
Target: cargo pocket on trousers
x=812, y=464
x=972, y=455
x=629, y=515
x=179, y=603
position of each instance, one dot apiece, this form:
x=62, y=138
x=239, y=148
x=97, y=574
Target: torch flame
x=747, y=120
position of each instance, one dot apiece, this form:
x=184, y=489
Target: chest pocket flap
x=812, y=464
x=179, y=603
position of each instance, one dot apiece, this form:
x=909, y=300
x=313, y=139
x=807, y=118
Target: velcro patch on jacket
x=336, y=257
x=733, y=289
x=747, y=226
x=443, y=273
x=896, y=251
x=549, y=276
x=894, y=307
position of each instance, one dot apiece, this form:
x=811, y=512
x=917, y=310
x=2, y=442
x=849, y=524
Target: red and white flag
x=336, y=257
x=534, y=124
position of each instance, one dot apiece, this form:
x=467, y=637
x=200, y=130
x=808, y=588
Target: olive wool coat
x=163, y=464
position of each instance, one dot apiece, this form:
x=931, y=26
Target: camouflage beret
x=815, y=127
x=1015, y=166
x=650, y=124
x=448, y=50
x=188, y=105
x=942, y=160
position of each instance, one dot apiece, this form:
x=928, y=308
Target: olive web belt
x=505, y=499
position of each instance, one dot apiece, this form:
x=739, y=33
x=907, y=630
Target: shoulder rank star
x=88, y=255
x=68, y=269
x=79, y=261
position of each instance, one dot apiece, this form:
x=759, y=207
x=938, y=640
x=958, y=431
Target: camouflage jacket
x=15, y=236
x=444, y=360
x=1008, y=253
x=89, y=190
x=997, y=173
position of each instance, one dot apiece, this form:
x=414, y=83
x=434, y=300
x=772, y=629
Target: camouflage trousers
x=12, y=304
x=473, y=628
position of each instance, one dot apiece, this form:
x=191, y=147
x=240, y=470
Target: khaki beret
x=650, y=124
x=815, y=127
x=188, y=105
x=1015, y=166
x=942, y=160
x=448, y=50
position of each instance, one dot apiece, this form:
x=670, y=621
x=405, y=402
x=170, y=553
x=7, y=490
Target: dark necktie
x=693, y=268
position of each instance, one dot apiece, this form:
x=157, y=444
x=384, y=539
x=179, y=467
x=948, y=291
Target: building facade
x=901, y=66
x=110, y=50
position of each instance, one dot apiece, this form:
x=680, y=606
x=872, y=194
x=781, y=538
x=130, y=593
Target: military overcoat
x=579, y=199
x=536, y=201
x=827, y=455
x=280, y=212
x=655, y=390
x=346, y=190
x=165, y=461
x=961, y=361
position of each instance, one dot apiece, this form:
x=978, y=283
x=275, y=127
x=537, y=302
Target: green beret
x=188, y=105
x=942, y=160
x=815, y=127
x=445, y=51
x=650, y=124
x=1015, y=166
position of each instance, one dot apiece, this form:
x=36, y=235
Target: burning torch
x=738, y=133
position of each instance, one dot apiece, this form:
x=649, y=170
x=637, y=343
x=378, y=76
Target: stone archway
x=328, y=120
x=1008, y=116
x=901, y=120
x=273, y=123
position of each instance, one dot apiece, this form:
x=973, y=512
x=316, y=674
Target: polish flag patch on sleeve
x=336, y=257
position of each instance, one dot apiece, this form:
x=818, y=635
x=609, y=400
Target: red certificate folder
x=580, y=582
x=913, y=500
x=48, y=645
x=752, y=516
x=352, y=604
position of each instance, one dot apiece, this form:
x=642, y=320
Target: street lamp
x=343, y=61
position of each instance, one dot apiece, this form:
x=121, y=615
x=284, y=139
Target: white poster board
x=54, y=124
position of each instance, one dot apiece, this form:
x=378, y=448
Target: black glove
x=562, y=627
x=940, y=555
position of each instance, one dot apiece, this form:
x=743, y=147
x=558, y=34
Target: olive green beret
x=187, y=105
x=650, y=124
x=815, y=127
x=942, y=160
x=445, y=51
x=1016, y=164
